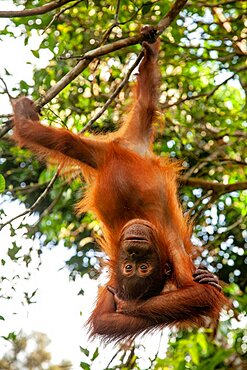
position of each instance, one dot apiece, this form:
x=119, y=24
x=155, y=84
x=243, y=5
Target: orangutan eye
x=143, y=267
x=128, y=268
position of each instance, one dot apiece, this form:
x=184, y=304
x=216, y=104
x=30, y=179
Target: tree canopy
x=86, y=87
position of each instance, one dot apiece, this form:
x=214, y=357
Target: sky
x=58, y=310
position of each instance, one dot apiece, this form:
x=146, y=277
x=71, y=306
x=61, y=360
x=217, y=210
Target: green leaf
x=7, y=72
x=193, y=350
x=96, y=354
x=85, y=351
x=146, y=8
x=35, y=53
x=11, y=337
x=2, y=183
x=81, y=292
x=12, y=252
x=24, y=86
x=201, y=340
x=84, y=366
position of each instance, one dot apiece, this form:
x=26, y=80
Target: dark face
x=139, y=272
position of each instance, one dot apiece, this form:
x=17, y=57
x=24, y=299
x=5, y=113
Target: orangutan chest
x=128, y=189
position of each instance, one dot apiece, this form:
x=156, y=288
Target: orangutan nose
x=136, y=251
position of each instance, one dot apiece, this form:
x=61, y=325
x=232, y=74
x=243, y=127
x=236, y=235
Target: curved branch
x=201, y=163
x=217, y=187
x=6, y=127
x=102, y=50
x=57, y=15
x=34, y=205
x=115, y=93
x=206, y=95
x=212, y=199
x=35, y=11
x=84, y=62
x=106, y=49
x=192, y=210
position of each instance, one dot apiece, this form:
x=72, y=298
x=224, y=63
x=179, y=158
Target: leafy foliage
x=20, y=357
x=203, y=104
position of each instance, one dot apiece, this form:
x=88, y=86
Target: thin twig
x=103, y=50
x=35, y=11
x=117, y=12
x=100, y=51
x=113, y=96
x=47, y=210
x=6, y=91
x=113, y=358
x=208, y=194
x=213, y=197
x=33, y=206
x=56, y=16
x=28, y=188
x=200, y=164
x=206, y=95
x=106, y=49
x=130, y=362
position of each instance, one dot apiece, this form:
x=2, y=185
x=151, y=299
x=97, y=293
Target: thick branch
x=35, y=11
x=215, y=186
x=7, y=126
x=102, y=50
x=106, y=49
x=171, y=15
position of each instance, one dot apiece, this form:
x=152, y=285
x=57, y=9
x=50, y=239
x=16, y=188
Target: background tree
x=203, y=103
x=30, y=353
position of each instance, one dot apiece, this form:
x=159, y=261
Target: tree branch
x=206, y=95
x=171, y=15
x=200, y=164
x=90, y=55
x=33, y=206
x=7, y=126
x=238, y=45
x=217, y=187
x=5, y=90
x=83, y=63
x=95, y=53
x=115, y=93
x=35, y=11
x=57, y=15
x=220, y=3
x=192, y=210
x=106, y=49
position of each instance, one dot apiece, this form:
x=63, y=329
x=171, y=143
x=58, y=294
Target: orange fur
x=128, y=181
